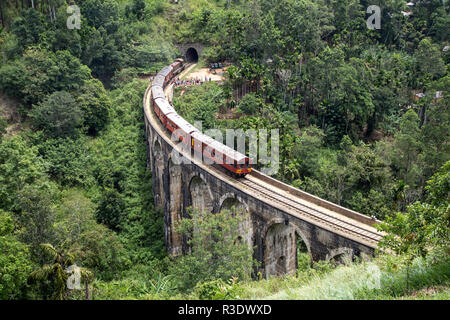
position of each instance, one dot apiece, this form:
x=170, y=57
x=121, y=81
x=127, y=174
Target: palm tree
x=55, y=272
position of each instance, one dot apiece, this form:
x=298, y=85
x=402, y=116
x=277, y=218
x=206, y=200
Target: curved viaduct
x=277, y=215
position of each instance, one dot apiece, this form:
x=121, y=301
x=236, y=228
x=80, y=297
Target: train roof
x=159, y=80
x=165, y=71
x=230, y=153
x=158, y=92
x=220, y=147
x=203, y=138
x=181, y=123
x=165, y=107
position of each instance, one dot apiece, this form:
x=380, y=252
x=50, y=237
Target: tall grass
x=382, y=278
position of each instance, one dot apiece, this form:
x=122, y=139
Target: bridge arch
x=230, y=201
x=280, y=247
x=340, y=255
x=201, y=195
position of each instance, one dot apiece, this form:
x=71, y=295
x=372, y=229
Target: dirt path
x=204, y=73
x=8, y=110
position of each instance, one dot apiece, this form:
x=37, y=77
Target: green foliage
x=429, y=63
x=92, y=245
x=68, y=161
x=54, y=272
x=424, y=226
x=95, y=105
x=36, y=216
x=39, y=73
x=217, y=290
x=250, y=104
x=200, y=103
x=341, y=95
x=216, y=252
x=3, y=125
x=380, y=279
x=58, y=115
x=110, y=208
x=20, y=165
x=15, y=262
x=407, y=148
x=29, y=28
x=137, y=8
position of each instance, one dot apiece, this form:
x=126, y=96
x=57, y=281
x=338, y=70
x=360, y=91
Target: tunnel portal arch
x=191, y=55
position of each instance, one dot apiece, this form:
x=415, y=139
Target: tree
x=29, y=28
x=15, y=262
x=20, y=166
x=138, y=8
x=68, y=160
x=39, y=73
x=408, y=146
x=110, y=208
x=251, y=104
x=425, y=225
x=55, y=271
x=36, y=216
x=429, y=64
x=217, y=251
x=95, y=105
x=101, y=13
x=1, y=15
x=93, y=245
x=58, y=115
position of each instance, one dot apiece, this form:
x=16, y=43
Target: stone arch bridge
x=277, y=215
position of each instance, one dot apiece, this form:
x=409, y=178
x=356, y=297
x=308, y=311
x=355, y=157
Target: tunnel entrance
x=192, y=55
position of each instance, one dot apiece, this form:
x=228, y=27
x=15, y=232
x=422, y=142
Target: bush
x=216, y=253
x=217, y=290
x=58, y=115
x=251, y=104
x=15, y=264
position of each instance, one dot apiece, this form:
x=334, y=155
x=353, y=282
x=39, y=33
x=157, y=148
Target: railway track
x=313, y=213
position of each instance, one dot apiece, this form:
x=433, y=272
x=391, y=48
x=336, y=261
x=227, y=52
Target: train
x=236, y=163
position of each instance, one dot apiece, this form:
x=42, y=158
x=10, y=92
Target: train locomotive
x=234, y=162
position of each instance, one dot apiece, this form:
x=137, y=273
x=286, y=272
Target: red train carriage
x=159, y=81
x=162, y=109
x=177, y=66
x=166, y=72
x=157, y=93
x=184, y=128
x=219, y=153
